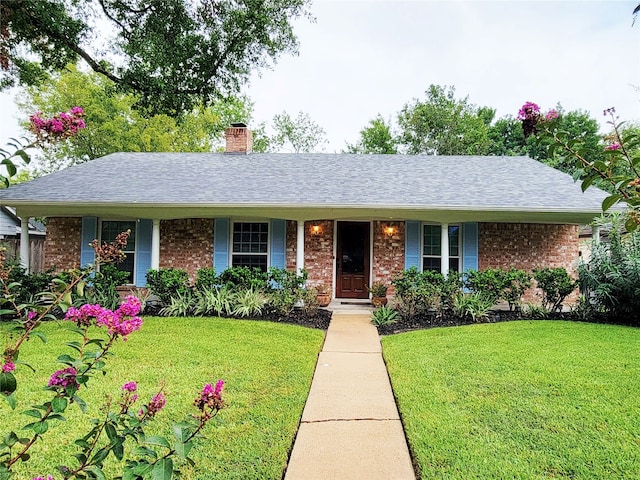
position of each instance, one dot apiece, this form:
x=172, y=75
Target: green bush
x=249, y=302
x=516, y=283
x=556, y=285
x=167, y=283
x=103, y=286
x=417, y=292
x=206, y=279
x=490, y=283
x=30, y=283
x=611, y=279
x=475, y=305
x=244, y=278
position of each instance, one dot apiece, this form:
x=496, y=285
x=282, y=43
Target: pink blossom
x=64, y=378
x=31, y=315
x=130, y=306
x=130, y=386
x=156, y=404
x=551, y=114
x=613, y=146
x=528, y=110
x=210, y=397
x=8, y=367
x=49, y=477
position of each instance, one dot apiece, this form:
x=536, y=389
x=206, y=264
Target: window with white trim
x=250, y=245
x=109, y=230
x=432, y=247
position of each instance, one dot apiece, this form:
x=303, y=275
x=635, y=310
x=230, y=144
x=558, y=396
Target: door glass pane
x=353, y=248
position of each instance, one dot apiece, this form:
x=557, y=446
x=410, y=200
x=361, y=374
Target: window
x=109, y=230
x=432, y=248
x=250, y=245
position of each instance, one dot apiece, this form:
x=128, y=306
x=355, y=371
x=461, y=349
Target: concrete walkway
x=350, y=426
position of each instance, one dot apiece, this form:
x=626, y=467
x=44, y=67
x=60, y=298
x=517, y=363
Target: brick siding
x=388, y=252
x=318, y=253
x=186, y=244
x=63, y=243
x=527, y=247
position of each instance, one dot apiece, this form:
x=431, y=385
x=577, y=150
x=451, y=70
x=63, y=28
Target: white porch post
x=24, y=244
x=155, y=245
x=595, y=234
x=300, y=247
x=444, y=245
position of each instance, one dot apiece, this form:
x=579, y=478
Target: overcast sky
x=361, y=58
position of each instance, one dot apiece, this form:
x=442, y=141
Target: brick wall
x=62, y=246
x=388, y=251
x=186, y=244
x=527, y=247
x=318, y=252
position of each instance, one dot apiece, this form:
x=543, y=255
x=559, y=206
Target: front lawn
x=267, y=368
x=526, y=399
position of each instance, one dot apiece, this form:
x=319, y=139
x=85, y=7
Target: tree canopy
x=376, y=137
x=299, y=135
x=173, y=54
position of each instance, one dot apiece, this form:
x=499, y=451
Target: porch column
x=595, y=234
x=24, y=243
x=155, y=245
x=300, y=247
x=444, y=245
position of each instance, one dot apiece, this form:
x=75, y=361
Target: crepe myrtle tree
x=619, y=168
x=175, y=54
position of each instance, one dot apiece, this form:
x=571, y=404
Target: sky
x=358, y=59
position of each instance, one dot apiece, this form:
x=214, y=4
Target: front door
x=352, y=263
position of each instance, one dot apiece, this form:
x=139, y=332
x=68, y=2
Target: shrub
x=490, y=283
x=384, y=316
x=556, y=285
x=516, y=283
x=30, y=283
x=310, y=303
x=206, y=279
x=181, y=305
x=167, y=283
x=611, y=279
x=416, y=292
x=244, y=278
x=103, y=286
x=249, y=303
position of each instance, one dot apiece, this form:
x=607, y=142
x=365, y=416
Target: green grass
x=531, y=399
x=267, y=368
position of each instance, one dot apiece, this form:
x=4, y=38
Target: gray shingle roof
x=311, y=180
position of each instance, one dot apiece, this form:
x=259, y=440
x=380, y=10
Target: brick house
x=349, y=220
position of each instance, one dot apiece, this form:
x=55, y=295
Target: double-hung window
x=432, y=247
x=109, y=230
x=250, y=245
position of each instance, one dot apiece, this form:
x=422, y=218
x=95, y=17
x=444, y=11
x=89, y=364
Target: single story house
x=11, y=235
x=349, y=220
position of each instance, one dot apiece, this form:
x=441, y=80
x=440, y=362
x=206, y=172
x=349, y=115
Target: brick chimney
x=239, y=139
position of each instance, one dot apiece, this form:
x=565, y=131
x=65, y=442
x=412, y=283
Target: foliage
x=167, y=283
x=113, y=124
x=477, y=305
x=180, y=305
x=611, y=278
x=103, y=286
x=309, y=302
x=249, y=303
x=28, y=285
x=539, y=312
x=378, y=289
x=615, y=167
x=218, y=301
x=444, y=125
x=417, y=292
x=556, y=285
x=174, y=54
x=299, y=135
x=244, y=278
x=286, y=290
x=376, y=137
x=496, y=284
x=384, y=316
x=206, y=279
x=519, y=399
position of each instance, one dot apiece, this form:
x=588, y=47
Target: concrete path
x=350, y=426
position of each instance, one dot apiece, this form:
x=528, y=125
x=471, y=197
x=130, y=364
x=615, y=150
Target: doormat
x=364, y=304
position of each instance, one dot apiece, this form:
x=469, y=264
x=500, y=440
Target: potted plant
x=378, y=291
x=323, y=294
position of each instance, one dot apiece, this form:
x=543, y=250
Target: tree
x=444, y=125
x=375, y=138
x=300, y=135
x=114, y=125
x=173, y=54
x=506, y=137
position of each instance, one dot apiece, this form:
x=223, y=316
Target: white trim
x=24, y=244
x=444, y=249
x=444, y=268
x=155, y=245
x=267, y=253
x=299, y=246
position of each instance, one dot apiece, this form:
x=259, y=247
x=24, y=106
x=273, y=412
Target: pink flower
x=130, y=386
x=551, y=114
x=64, y=378
x=528, y=110
x=49, y=477
x=8, y=367
x=210, y=397
x=130, y=306
x=156, y=404
x=31, y=315
x=77, y=111
x=613, y=146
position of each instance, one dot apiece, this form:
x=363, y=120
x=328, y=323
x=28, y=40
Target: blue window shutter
x=89, y=234
x=143, y=251
x=469, y=246
x=221, y=245
x=278, y=243
x=412, y=245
